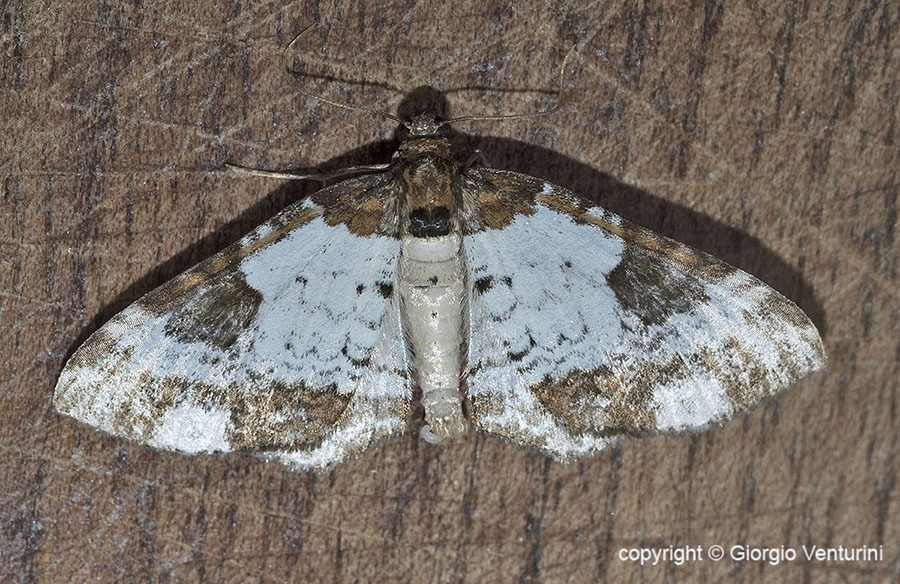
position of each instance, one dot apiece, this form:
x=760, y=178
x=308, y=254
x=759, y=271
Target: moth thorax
x=429, y=179
x=416, y=147
x=429, y=195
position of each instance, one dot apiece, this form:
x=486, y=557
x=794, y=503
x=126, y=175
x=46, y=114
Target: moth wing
x=286, y=344
x=585, y=327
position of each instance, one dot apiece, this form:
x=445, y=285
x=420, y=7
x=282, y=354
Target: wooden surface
x=764, y=133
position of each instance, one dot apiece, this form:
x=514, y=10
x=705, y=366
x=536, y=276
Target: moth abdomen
x=431, y=282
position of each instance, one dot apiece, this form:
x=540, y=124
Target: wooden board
x=766, y=134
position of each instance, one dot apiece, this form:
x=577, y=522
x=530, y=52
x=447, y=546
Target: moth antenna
x=319, y=176
x=287, y=66
x=544, y=112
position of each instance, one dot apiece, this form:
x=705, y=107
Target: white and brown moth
x=495, y=299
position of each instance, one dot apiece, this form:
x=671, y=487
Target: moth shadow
x=665, y=217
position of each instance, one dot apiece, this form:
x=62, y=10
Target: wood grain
x=764, y=133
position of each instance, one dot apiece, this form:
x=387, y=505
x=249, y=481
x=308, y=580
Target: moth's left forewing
x=586, y=327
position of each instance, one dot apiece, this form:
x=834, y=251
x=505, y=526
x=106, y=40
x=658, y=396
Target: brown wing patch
x=219, y=314
x=138, y=423
x=283, y=416
x=367, y=205
x=625, y=397
x=491, y=199
x=742, y=395
x=650, y=290
x=603, y=402
x=274, y=415
x=127, y=422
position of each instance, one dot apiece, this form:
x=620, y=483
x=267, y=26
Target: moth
x=494, y=299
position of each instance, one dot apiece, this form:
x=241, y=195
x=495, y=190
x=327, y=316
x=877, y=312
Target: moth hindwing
x=507, y=304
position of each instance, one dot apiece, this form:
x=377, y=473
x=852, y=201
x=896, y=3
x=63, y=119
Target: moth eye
x=430, y=221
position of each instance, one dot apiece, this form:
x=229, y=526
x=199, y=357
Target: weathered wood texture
x=766, y=134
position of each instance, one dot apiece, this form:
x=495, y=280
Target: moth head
x=422, y=125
